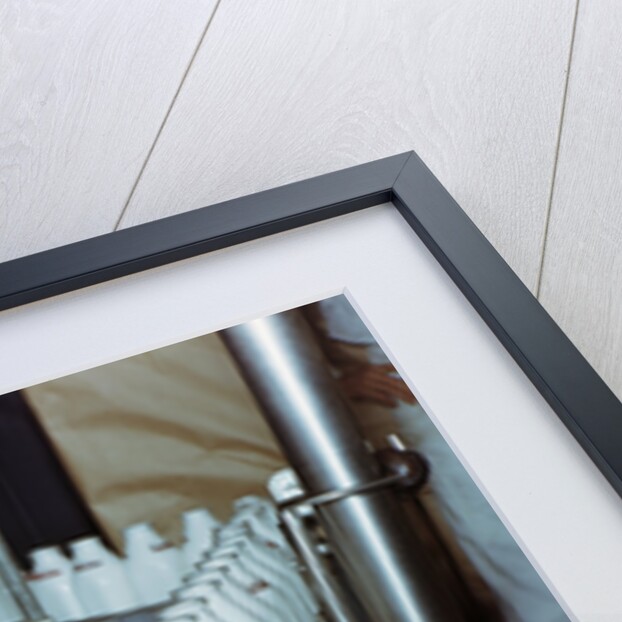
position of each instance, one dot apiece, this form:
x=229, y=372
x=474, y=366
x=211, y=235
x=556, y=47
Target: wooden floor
x=112, y=114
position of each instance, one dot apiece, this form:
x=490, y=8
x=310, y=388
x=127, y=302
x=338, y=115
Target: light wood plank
x=84, y=87
x=281, y=91
x=582, y=275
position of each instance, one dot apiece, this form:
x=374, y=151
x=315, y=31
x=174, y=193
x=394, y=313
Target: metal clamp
x=341, y=493
x=407, y=469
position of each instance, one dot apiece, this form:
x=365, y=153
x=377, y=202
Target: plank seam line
x=166, y=116
x=547, y=218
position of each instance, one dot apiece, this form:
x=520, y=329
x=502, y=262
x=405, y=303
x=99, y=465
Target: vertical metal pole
x=385, y=563
x=11, y=576
x=340, y=606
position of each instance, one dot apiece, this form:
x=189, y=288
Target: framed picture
x=367, y=291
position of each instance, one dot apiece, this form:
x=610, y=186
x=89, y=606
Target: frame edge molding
x=570, y=385
x=153, y=244
x=573, y=389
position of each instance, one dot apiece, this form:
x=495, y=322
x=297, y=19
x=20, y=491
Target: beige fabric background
x=148, y=437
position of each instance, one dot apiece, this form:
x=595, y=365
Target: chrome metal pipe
x=299, y=524
x=385, y=563
x=12, y=578
x=341, y=610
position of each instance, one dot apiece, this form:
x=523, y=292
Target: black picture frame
x=572, y=388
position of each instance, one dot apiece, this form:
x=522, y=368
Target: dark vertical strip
x=38, y=502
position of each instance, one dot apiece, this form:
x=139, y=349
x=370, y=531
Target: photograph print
x=279, y=470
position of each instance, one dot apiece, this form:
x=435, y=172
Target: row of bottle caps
x=94, y=582
x=250, y=575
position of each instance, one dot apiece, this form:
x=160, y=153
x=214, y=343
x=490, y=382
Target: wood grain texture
x=582, y=272
x=282, y=91
x=84, y=87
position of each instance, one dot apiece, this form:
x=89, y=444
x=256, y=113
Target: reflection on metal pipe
x=298, y=522
x=340, y=609
x=385, y=564
x=12, y=578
